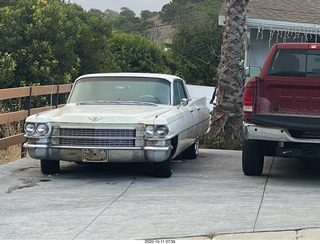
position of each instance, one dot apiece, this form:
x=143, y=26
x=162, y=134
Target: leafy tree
x=126, y=22
x=195, y=51
x=126, y=12
x=196, y=42
x=92, y=46
x=7, y=68
x=178, y=11
x=134, y=53
x=147, y=15
x=98, y=12
x=53, y=42
x=4, y=3
x=109, y=13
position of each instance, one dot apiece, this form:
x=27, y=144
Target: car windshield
x=295, y=63
x=121, y=89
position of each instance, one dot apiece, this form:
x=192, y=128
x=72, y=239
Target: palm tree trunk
x=227, y=114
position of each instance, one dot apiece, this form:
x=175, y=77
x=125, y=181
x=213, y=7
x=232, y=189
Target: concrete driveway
x=209, y=195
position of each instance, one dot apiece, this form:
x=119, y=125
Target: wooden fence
x=27, y=93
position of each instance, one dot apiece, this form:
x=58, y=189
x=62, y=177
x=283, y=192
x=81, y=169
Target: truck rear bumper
x=279, y=142
x=276, y=134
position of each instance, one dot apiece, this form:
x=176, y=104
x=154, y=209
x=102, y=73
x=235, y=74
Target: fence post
x=55, y=98
x=27, y=106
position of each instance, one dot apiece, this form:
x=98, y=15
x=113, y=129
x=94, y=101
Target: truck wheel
x=50, y=166
x=163, y=169
x=252, y=157
x=192, y=151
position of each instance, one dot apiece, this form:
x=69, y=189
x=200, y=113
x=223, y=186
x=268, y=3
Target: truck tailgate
x=294, y=96
x=288, y=94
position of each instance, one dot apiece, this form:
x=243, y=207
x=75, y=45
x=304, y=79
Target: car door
x=190, y=114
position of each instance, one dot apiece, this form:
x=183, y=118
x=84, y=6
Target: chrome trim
x=44, y=146
x=35, y=146
x=97, y=138
x=157, y=148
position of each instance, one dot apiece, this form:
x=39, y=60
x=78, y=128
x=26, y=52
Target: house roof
x=296, y=11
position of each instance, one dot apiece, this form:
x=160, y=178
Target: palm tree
x=227, y=114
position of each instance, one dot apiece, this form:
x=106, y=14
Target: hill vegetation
x=53, y=42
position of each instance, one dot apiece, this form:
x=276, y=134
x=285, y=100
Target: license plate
x=95, y=155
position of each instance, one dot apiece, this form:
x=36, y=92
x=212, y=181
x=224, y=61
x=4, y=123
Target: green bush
x=209, y=141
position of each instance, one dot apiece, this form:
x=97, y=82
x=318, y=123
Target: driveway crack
x=262, y=197
x=116, y=199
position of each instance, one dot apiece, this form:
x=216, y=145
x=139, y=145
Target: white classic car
x=120, y=117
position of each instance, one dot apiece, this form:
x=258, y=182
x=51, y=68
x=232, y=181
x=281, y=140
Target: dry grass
x=10, y=154
x=13, y=152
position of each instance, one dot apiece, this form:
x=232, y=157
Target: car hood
x=120, y=114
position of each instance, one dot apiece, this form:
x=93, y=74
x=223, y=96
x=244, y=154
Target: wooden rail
x=27, y=93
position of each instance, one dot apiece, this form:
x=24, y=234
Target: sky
x=135, y=5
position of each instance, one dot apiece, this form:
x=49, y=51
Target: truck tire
x=50, y=166
x=252, y=157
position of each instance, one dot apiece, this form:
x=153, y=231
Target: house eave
x=266, y=24
x=282, y=26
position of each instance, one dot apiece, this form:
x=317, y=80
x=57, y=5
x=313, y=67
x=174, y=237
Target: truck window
x=295, y=63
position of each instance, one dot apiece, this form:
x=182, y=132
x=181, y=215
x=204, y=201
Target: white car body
x=117, y=117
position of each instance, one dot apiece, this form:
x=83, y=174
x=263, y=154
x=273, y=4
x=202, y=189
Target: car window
x=179, y=92
x=295, y=63
x=122, y=89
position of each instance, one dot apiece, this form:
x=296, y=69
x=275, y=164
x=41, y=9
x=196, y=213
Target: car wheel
x=163, y=169
x=50, y=166
x=252, y=157
x=192, y=151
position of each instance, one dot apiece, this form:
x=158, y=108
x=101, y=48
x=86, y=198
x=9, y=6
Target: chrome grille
x=97, y=137
x=97, y=132
x=96, y=142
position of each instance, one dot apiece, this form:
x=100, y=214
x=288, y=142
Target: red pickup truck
x=281, y=107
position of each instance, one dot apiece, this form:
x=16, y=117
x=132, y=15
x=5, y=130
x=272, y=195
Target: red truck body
x=282, y=106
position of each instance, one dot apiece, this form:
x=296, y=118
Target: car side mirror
x=184, y=102
x=252, y=71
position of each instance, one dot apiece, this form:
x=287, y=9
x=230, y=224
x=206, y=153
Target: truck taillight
x=314, y=46
x=248, y=99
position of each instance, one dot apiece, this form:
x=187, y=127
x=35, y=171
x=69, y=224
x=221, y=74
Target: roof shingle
x=297, y=11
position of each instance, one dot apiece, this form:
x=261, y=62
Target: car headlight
x=42, y=129
x=29, y=128
x=162, y=130
x=149, y=130
x=159, y=130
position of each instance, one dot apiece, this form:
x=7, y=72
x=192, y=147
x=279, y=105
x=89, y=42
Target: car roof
x=168, y=77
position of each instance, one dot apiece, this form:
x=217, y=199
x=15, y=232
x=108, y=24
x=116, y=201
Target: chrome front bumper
x=124, y=154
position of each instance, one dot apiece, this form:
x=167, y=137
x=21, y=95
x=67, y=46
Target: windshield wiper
x=95, y=102
x=92, y=102
x=139, y=103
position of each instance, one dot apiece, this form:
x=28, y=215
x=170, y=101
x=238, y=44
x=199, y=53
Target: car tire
x=192, y=151
x=163, y=169
x=50, y=166
x=252, y=157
